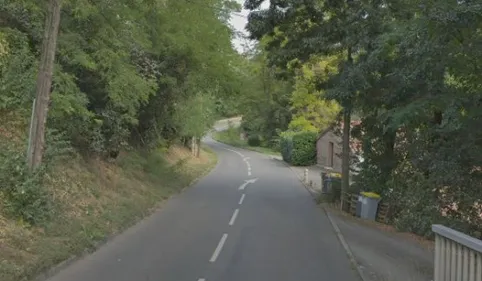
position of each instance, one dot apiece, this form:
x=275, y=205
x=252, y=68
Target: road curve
x=248, y=220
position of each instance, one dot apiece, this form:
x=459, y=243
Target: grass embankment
x=231, y=136
x=94, y=200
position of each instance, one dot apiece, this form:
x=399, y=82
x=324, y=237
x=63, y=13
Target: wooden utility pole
x=44, y=84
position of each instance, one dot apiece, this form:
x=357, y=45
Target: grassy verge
x=231, y=137
x=93, y=201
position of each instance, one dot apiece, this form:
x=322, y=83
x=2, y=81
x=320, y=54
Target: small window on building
x=330, y=154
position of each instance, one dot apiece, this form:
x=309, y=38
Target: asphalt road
x=226, y=229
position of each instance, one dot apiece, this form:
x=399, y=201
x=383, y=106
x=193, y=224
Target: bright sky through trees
x=239, y=21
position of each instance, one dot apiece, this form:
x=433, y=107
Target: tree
x=311, y=111
x=44, y=83
x=298, y=30
x=411, y=71
x=195, y=117
x=265, y=100
x=116, y=83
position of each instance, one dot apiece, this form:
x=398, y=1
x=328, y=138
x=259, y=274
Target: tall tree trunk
x=193, y=146
x=345, y=160
x=198, y=147
x=44, y=84
x=389, y=161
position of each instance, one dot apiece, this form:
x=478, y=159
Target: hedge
x=286, y=147
x=299, y=149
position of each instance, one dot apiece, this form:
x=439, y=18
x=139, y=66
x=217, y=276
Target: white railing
x=458, y=257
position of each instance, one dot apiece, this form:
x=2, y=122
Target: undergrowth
x=74, y=203
x=231, y=136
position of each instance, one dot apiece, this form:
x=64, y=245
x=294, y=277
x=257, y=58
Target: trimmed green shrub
x=304, y=149
x=254, y=140
x=286, y=147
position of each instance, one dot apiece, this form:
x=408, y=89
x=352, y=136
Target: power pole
x=44, y=84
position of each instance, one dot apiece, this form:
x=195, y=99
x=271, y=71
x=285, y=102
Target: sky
x=239, y=21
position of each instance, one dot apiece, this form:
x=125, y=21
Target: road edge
x=345, y=245
x=51, y=272
x=311, y=191
x=334, y=225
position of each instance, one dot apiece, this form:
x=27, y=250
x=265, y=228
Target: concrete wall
x=322, y=151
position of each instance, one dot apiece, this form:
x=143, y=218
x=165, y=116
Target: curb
x=51, y=272
x=337, y=230
x=345, y=245
x=311, y=191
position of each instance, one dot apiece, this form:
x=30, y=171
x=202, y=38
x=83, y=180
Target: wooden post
x=44, y=84
x=30, y=132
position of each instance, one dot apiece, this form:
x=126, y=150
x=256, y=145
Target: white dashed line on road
x=243, y=186
x=246, y=182
x=242, y=199
x=237, y=152
x=249, y=173
x=201, y=279
x=233, y=218
x=218, y=249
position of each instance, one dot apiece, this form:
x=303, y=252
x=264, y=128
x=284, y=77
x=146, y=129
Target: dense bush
x=286, y=147
x=298, y=149
x=254, y=140
x=25, y=197
x=304, y=149
x=274, y=143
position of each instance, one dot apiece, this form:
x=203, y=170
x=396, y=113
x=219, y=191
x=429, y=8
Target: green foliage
x=196, y=116
x=299, y=148
x=411, y=72
x=286, y=146
x=23, y=193
x=265, y=102
x=303, y=152
x=17, y=69
x=122, y=81
x=232, y=133
x=311, y=112
x=146, y=73
x=231, y=136
x=254, y=140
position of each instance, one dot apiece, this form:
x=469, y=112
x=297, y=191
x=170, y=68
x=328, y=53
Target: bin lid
x=332, y=175
x=371, y=195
